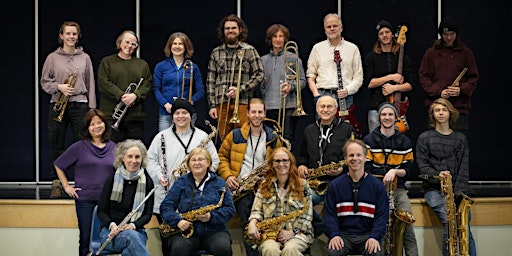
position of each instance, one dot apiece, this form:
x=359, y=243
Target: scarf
x=117, y=190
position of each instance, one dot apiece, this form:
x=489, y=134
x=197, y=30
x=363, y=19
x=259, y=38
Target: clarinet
x=164, y=160
x=125, y=220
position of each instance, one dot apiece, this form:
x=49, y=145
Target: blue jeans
x=319, y=227
x=165, y=121
x=128, y=242
x=437, y=202
x=243, y=207
x=74, y=115
x=84, y=210
x=373, y=120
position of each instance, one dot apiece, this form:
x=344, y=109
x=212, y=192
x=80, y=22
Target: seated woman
x=282, y=211
x=126, y=190
x=198, y=208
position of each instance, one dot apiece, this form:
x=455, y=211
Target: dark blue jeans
x=243, y=208
x=354, y=244
x=84, y=209
x=74, y=115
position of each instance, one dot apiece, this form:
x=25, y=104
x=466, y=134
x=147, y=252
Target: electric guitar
x=343, y=112
x=396, y=97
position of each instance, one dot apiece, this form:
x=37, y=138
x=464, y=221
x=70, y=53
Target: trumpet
x=62, y=103
x=235, y=119
x=187, y=65
x=121, y=108
x=292, y=68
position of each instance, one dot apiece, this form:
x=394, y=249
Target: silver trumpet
x=121, y=108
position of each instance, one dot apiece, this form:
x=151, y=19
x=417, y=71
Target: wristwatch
x=295, y=231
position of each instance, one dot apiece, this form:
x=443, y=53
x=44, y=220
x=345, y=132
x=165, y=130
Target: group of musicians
x=194, y=182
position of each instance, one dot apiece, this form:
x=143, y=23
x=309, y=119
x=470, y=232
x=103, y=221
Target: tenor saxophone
x=182, y=167
x=321, y=186
x=249, y=183
x=269, y=228
x=397, y=224
x=166, y=230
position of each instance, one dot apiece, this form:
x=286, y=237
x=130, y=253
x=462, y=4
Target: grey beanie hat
x=388, y=105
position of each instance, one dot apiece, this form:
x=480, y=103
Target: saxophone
x=452, y=241
x=182, y=167
x=269, y=228
x=321, y=186
x=249, y=182
x=463, y=224
x=397, y=223
x=166, y=230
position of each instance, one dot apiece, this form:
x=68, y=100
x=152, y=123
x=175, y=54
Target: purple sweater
x=92, y=166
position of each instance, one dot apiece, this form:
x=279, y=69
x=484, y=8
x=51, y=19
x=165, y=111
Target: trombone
x=235, y=119
x=292, y=71
x=188, y=64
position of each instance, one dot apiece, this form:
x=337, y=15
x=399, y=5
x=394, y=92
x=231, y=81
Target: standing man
x=356, y=207
x=320, y=146
x=390, y=156
x=322, y=73
x=168, y=152
x=234, y=71
x=276, y=87
x=242, y=151
x=381, y=73
x=441, y=152
x=440, y=67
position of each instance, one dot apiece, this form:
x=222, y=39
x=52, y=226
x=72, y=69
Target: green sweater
x=114, y=76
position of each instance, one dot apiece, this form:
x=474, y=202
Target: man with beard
x=234, y=72
x=242, y=151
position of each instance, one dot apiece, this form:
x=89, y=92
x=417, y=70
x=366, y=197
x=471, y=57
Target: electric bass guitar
x=396, y=97
x=343, y=112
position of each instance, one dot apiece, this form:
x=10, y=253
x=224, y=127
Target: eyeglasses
x=284, y=161
x=197, y=159
x=134, y=45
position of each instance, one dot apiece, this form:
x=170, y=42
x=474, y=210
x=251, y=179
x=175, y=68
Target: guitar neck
x=397, y=97
x=343, y=110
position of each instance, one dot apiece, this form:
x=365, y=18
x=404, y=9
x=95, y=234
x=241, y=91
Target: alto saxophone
x=62, y=103
x=166, y=230
x=321, y=186
x=397, y=223
x=182, y=167
x=269, y=228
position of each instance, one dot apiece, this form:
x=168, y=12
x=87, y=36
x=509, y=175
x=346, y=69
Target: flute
x=125, y=220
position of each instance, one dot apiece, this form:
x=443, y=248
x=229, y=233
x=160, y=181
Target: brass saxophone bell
x=188, y=232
